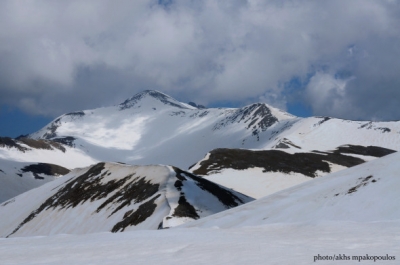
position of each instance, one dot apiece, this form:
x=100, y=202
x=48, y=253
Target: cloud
x=62, y=56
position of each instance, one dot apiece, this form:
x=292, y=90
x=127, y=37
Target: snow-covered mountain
x=154, y=128
x=365, y=193
x=258, y=173
x=115, y=197
x=256, y=150
x=19, y=177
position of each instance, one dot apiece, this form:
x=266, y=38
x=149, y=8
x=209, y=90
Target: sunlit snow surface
x=271, y=244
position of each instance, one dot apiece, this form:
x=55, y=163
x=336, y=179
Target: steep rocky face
x=115, y=197
x=256, y=117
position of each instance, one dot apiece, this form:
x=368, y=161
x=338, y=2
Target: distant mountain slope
x=261, y=172
x=19, y=177
x=115, y=197
x=152, y=127
x=365, y=193
x=42, y=151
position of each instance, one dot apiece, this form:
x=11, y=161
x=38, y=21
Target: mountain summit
x=152, y=127
x=147, y=95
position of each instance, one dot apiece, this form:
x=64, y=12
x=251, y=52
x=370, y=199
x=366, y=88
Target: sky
x=322, y=58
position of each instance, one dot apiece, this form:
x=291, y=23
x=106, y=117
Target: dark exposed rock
x=138, y=190
x=324, y=119
x=375, y=151
x=2, y=171
x=282, y=145
x=52, y=128
x=274, y=161
x=383, y=129
x=185, y=209
x=178, y=185
x=223, y=194
x=42, y=144
x=37, y=144
x=196, y=106
x=285, y=144
x=21, y=136
x=8, y=202
x=258, y=116
x=10, y=143
x=364, y=182
x=129, y=103
x=44, y=168
x=131, y=218
x=68, y=140
x=76, y=114
x=367, y=125
x=178, y=113
x=370, y=125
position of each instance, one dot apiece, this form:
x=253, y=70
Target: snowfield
x=274, y=244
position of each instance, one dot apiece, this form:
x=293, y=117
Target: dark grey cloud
x=58, y=56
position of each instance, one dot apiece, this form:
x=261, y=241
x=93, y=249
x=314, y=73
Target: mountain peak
x=159, y=96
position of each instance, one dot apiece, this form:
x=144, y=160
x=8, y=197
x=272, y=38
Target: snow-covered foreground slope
x=114, y=197
x=19, y=177
x=262, y=172
x=365, y=193
x=271, y=244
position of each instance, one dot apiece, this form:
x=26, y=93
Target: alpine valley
x=250, y=185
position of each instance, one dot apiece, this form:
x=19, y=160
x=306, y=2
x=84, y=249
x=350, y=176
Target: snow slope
x=19, y=177
x=365, y=193
x=275, y=244
x=114, y=197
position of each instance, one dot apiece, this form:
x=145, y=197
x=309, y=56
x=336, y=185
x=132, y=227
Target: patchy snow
x=365, y=193
x=71, y=158
x=114, y=197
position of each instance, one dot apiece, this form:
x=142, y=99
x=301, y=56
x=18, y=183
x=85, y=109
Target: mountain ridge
x=113, y=197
